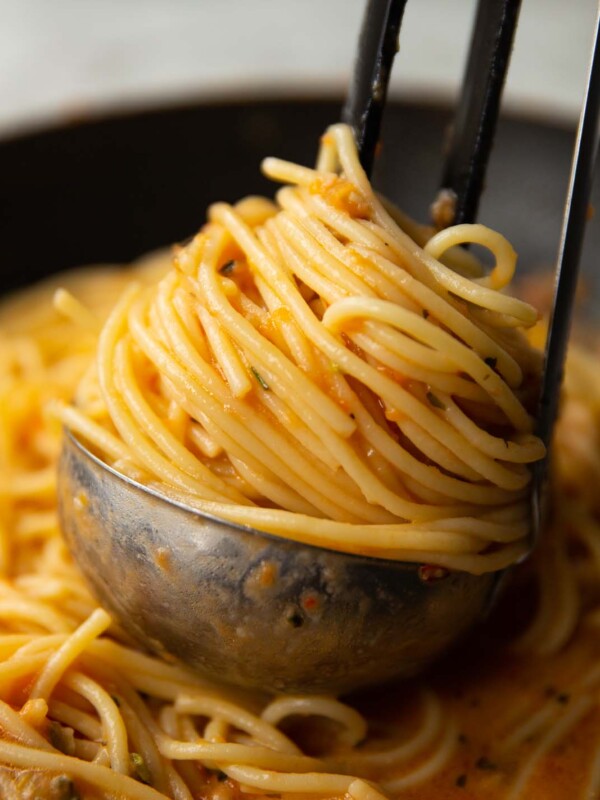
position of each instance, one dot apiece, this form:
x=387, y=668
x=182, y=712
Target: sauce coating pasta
x=308, y=369
x=514, y=715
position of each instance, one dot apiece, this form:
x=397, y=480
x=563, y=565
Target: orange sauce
x=490, y=691
x=342, y=194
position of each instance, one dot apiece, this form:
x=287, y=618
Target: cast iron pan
x=114, y=187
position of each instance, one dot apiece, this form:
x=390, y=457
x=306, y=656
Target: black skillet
x=112, y=187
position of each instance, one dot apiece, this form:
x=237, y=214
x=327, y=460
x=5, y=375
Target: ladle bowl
x=250, y=608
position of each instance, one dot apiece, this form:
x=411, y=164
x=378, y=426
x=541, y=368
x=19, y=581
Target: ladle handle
x=571, y=243
x=377, y=46
x=567, y=272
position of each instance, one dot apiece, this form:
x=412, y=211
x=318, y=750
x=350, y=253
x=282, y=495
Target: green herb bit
x=260, y=378
x=295, y=619
x=61, y=738
x=485, y=763
x=140, y=769
x=435, y=401
x=63, y=788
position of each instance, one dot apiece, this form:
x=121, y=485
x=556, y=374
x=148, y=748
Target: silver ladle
x=260, y=611
x=250, y=608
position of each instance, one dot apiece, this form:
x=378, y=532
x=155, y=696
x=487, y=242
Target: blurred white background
x=64, y=57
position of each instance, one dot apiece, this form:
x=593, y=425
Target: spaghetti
x=307, y=369
x=84, y=714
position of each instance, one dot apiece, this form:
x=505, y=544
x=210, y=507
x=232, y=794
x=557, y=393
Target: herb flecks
x=435, y=401
x=139, y=769
x=485, y=763
x=295, y=619
x=64, y=789
x=264, y=385
x=61, y=737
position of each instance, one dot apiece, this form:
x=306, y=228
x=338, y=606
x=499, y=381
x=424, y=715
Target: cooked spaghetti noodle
x=307, y=369
x=84, y=714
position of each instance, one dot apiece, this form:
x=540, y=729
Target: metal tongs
x=471, y=140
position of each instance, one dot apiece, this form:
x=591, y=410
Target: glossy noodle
x=83, y=713
x=307, y=369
